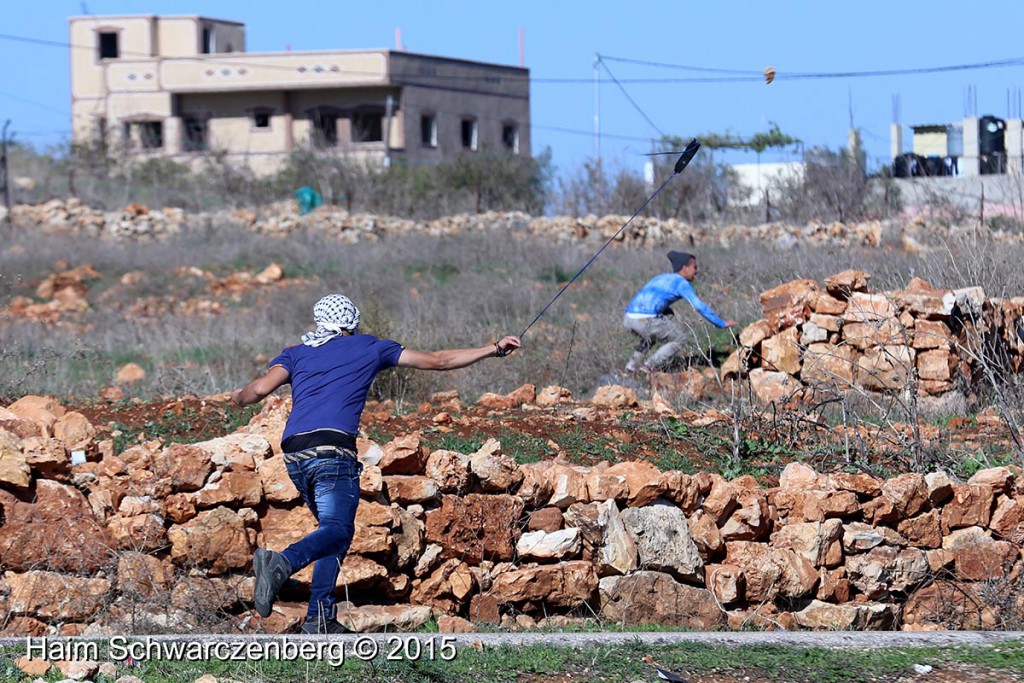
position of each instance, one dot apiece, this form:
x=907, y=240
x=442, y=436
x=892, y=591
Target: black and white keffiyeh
x=333, y=315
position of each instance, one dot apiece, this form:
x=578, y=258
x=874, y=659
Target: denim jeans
x=330, y=488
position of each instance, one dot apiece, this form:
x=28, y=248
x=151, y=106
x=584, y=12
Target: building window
x=151, y=134
x=101, y=132
x=367, y=127
x=469, y=134
x=324, y=128
x=108, y=45
x=510, y=137
x=195, y=133
x=261, y=118
x=208, y=46
x=428, y=130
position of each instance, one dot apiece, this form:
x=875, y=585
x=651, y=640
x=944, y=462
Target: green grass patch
x=623, y=662
x=189, y=426
x=575, y=442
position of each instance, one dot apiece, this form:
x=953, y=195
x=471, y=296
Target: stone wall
x=841, y=335
x=138, y=222
x=160, y=538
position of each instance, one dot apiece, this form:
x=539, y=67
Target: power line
x=805, y=75
x=631, y=100
x=626, y=60
x=219, y=60
x=589, y=133
x=25, y=100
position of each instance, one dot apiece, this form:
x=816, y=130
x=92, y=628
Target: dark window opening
x=195, y=134
x=207, y=40
x=428, y=130
x=261, y=118
x=510, y=137
x=367, y=126
x=325, y=129
x=469, y=134
x=151, y=134
x=101, y=132
x=108, y=45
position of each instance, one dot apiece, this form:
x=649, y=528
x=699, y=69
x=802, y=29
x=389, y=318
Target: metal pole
x=6, y=174
x=597, y=107
x=390, y=108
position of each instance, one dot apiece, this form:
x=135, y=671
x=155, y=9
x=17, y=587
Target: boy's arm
x=261, y=387
x=452, y=359
x=691, y=297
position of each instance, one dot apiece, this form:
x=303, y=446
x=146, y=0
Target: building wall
x=231, y=124
x=453, y=90
x=764, y=176
x=930, y=144
x=161, y=75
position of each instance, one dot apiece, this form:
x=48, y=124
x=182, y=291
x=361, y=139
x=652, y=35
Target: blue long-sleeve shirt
x=658, y=295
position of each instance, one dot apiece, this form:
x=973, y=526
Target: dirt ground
x=582, y=434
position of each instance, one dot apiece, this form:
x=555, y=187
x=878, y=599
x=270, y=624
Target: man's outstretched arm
x=702, y=308
x=453, y=359
x=261, y=387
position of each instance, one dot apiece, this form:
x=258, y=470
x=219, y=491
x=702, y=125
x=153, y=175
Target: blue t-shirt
x=330, y=382
x=658, y=295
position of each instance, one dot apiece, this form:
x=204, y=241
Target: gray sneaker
x=271, y=570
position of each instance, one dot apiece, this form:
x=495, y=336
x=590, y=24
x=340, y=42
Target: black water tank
x=991, y=138
x=993, y=164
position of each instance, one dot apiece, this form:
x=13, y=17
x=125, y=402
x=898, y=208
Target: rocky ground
x=581, y=434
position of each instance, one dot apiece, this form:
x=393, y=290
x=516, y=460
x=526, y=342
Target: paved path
x=829, y=639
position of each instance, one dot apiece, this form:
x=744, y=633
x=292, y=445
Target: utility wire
x=734, y=75
x=643, y=62
x=631, y=100
x=804, y=75
x=217, y=59
x=25, y=100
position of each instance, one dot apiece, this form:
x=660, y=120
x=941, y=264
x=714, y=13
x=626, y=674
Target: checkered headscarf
x=333, y=314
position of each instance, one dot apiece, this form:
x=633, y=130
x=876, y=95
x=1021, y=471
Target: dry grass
x=424, y=292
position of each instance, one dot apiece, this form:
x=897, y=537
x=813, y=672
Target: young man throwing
x=649, y=313
x=331, y=373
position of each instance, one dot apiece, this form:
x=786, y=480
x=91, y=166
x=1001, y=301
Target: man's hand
x=236, y=396
x=731, y=323
x=507, y=345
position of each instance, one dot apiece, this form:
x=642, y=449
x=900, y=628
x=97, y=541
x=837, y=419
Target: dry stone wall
x=160, y=538
x=840, y=335
x=138, y=222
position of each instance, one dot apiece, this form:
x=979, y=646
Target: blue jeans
x=330, y=488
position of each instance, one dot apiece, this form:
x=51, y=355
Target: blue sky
x=561, y=39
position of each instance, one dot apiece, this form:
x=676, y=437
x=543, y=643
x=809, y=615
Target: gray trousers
x=658, y=329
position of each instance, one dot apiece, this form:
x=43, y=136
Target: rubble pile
x=71, y=217
x=159, y=538
x=138, y=222
x=842, y=336
x=61, y=297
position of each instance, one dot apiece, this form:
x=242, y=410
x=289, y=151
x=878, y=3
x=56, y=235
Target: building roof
x=100, y=17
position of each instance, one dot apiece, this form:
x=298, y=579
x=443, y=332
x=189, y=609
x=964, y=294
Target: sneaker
x=271, y=570
x=314, y=626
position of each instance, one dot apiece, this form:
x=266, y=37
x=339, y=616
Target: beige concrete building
x=184, y=86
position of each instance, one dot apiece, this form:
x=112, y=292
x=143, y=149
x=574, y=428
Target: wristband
x=498, y=351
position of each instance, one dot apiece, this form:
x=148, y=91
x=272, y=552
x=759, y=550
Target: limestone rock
x=654, y=597
x=663, y=541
